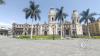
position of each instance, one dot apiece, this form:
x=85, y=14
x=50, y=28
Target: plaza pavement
x=71, y=47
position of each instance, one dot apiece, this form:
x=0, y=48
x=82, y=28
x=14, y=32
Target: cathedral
x=52, y=27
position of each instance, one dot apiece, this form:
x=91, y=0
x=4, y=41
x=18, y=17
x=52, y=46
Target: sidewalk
x=14, y=47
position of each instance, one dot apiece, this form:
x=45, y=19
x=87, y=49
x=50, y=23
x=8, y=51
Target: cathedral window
x=52, y=19
x=17, y=25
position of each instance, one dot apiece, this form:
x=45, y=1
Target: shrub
x=23, y=37
x=96, y=37
x=42, y=37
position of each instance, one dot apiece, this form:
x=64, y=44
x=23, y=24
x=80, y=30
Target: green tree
x=86, y=17
x=32, y=12
x=60, y=16
x=1, y=1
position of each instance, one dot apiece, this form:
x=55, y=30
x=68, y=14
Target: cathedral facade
x=52, y=27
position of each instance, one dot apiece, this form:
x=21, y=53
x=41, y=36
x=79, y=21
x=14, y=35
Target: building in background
x=5, y=31
x=50, y=28
x=94, y=28
x=76, y=26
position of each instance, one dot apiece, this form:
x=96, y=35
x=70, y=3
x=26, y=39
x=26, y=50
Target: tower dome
x=52, y=11
x=75, y=13
x=52, y=15
x=75, y=17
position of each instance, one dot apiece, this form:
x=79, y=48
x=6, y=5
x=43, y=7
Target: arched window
x=52, y=19
x=45, y=32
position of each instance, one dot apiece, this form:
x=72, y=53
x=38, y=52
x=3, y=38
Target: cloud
x=4, y=24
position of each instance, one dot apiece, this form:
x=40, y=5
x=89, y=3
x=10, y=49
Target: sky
x=12, y=10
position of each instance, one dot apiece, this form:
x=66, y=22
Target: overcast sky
x=11, y=11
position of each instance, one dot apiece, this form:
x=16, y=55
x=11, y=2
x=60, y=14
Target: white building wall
x=79, y=29
x=76, y=24
x=41, y=30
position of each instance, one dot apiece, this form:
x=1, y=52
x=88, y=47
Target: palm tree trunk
x=32, y=29
x=61, y=29
x=61, y=32
x=53, y=34
x=37, y=31
x=88, y=30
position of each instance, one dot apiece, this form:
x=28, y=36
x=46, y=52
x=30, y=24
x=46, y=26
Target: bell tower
x=52, y=15
x=52, y=21
x=75, y=17
x=76, y=26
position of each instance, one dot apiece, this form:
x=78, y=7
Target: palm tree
x=86, y=17
x=60, y=16
x=26, y=14
x=1, y=1
x=32, y=12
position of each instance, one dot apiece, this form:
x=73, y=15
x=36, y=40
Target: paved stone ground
x=71, y=47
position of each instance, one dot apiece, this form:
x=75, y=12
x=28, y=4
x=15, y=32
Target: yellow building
x=94, y=28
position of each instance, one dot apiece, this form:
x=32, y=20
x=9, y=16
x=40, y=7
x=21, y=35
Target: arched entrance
x=74, y=34
x=45, y=32
x=66, y=32
x=59, y=32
